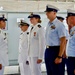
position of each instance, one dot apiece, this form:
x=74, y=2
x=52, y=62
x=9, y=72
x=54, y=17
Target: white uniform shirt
x=3, y=49
x=54, y=32
x=36, y=42
x=23, y=47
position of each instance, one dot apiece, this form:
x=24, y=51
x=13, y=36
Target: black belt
x=52, y=46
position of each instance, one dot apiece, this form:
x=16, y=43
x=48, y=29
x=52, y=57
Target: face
x=33, y=20
x=70, y=21
x=2, y=24
x=24, y=28
x=50, y=14
x=67, y=21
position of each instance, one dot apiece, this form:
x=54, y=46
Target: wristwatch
x=59, y=57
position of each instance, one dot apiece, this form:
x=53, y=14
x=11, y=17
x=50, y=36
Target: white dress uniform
x=36, y=48
x=3, y=51
x=23, y=53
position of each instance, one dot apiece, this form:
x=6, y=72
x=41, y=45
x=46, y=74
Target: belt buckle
x=47, y=46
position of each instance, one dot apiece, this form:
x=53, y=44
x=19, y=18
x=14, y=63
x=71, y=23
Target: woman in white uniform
x=36, y=44
x=23, y=49
x=3, y=46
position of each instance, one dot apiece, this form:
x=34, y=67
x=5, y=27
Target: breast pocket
x=52, y=32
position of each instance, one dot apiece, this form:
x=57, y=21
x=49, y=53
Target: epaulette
x=39, y=26
x=27, y=33
x=5, y=34
x=4, y=38
x=21, y=33
x=0, y=31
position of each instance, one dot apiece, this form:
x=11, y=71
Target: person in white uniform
x=23, y=49
x=3, y=46
x=36, y=44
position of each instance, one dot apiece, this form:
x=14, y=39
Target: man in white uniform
x=23, y=49
x=3, y=46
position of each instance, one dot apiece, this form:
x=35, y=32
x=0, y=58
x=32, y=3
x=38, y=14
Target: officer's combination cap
x=2, y=18
x=34, y=16
x=51, y=8
x=70, y=12
x=22, y=23
x=59, y=17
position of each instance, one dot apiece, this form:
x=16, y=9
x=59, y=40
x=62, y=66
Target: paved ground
x=14, y=70
x=44, y=73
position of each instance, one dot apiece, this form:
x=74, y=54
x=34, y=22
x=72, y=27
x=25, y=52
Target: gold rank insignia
x=53, y=27
x=31, y=14
x=34, y=33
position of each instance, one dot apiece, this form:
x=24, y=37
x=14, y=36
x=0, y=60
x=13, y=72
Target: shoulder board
x=39, y=26
x=5, y=34
x=0, y=31
x=27, y=33
x=4, y=38
x=21, y=33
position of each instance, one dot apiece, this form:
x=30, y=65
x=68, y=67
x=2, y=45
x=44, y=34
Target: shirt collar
x=73, y=28
x=53, y=22
x=25, y=31
x=36, y=25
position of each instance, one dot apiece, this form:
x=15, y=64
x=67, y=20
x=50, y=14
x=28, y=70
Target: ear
x=0, y=22
x=54, y=13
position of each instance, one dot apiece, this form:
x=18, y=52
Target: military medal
x=34, y=33
x=53, y=27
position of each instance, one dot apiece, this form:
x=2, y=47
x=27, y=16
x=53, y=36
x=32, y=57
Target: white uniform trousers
x=35, y=68
x=24, y=69
x=2, y=71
